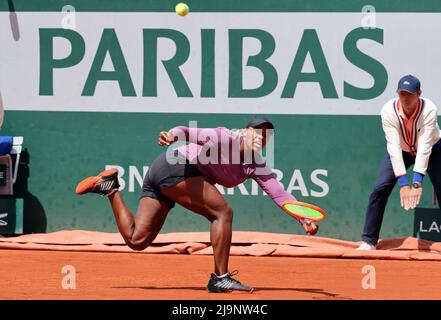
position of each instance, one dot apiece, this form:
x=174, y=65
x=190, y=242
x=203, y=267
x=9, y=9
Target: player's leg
x=137, y=231
x=434, y=170
x=140, y=230
x=384, y=185
x=199, y=196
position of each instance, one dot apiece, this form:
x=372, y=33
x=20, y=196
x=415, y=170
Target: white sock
x=222, y=276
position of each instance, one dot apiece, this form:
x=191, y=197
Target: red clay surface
x=38, y=275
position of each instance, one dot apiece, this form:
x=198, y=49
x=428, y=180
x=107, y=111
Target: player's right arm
x=190, y=134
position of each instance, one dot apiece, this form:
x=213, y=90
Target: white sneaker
x=366, y=246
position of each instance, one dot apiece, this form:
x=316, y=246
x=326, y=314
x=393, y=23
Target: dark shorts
x=162, y=174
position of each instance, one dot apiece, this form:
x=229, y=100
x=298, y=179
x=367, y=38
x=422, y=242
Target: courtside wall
x=89, y=86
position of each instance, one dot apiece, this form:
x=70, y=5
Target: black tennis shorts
x=162, y=174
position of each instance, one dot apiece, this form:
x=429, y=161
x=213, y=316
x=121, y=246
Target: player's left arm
x=266, y=179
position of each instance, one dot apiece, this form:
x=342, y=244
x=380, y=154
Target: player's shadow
x=34, y=216
x=397, y=245
x=305, y=290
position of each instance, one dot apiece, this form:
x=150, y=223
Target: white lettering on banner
x=135, y=181
x=421, y=227
x=319, y=183
x=274, y=63
x=434, y=226
x=134, y=174
x=297, y=183
x=2, y=222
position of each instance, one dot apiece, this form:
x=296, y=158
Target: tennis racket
x=303, y=210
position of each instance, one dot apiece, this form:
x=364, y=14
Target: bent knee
x=225, y=214
x=137, y=245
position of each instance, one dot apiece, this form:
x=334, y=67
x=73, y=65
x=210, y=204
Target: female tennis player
x=187, y=175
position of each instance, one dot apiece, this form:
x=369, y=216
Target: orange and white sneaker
x=104, y=184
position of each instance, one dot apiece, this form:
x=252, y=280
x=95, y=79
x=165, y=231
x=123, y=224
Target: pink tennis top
x=212, y=151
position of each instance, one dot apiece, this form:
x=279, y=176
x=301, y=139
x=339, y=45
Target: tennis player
x=185, y=176
x=410, y=124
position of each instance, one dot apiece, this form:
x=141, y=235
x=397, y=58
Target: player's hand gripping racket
x=306, y=213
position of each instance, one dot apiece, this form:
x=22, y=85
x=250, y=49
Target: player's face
x=409, y=100
x=258, y=137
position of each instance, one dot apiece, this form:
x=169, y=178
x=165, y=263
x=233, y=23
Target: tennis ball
x=182, y=9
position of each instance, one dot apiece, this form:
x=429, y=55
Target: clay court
x=37, y=274
x=286, y=115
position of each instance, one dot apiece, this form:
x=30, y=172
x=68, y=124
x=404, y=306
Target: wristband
x=402, y=181
x=418, y=177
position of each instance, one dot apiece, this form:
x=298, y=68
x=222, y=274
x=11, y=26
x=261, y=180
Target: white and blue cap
x=409, y=83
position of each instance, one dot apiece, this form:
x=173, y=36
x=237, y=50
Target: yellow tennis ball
x=182, y=9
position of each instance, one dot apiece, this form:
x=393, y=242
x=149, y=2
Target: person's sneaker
x=103, y=184
x=227, y=284
x=366, y=246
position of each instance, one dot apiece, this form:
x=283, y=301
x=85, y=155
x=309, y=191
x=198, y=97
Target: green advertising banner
x=89, y=85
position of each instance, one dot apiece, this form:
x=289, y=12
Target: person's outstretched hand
x=415, y=197
x=165, y=138
x=405, y=197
